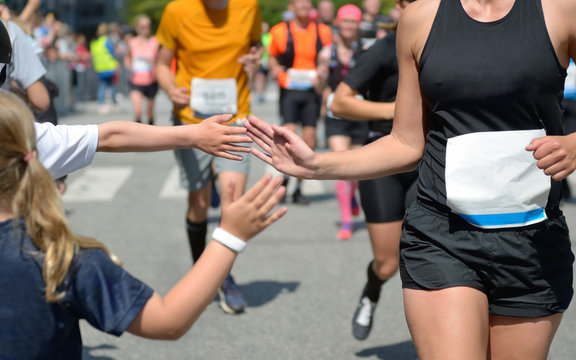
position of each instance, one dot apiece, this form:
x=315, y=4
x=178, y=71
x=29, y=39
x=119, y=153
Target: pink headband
x=349, y=11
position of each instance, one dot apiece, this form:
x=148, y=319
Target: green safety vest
x=102, y=60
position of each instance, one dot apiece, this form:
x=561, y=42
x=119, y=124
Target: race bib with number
x=141, y=65
x=493, y=182
x=210, y=97
x=301, y=79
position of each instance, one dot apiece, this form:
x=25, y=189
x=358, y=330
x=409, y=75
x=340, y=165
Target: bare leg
x=515, y=338
x=150, y=106
x=448, y=324
x=136, y=97
x=385, y=239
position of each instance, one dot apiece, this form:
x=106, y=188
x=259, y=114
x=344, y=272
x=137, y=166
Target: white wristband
x=230, y=241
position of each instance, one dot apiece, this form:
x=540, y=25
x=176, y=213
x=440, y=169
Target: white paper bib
x=210, y=97
x=301, y=79
x=141, y=65
x=493, y=182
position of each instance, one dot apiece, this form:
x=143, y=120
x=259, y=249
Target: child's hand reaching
x=248, y=215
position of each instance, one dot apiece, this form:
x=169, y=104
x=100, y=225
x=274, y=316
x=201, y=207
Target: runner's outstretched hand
x=556, y=155
x=282, y=148
x=248, y=215
x=214, y=138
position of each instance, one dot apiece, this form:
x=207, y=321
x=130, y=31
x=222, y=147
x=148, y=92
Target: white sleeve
x=63, y=149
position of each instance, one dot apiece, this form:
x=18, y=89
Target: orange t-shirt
x=304, y=45
x=207, y=45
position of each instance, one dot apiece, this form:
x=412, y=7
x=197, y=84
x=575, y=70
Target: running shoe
x=362, y=321
x=345, y=231
x=231, y=300
x=298, y=198
x=355, y=206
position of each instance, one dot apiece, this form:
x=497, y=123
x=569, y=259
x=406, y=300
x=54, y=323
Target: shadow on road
x=401, y=351
x=259, y=293
x=87, y=350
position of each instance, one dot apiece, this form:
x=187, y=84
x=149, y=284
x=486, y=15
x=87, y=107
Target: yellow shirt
x=208, y=44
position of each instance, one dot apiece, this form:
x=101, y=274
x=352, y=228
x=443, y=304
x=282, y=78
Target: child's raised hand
x=248, y=215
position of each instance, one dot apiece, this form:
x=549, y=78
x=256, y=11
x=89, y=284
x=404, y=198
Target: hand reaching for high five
x=215, y=138
x=282, y=148
x=248, y=215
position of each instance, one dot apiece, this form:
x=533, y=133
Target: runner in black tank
x=342, y=134
x=486, y=262
x=385, y=199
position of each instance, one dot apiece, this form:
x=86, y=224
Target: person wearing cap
x=343, y=134
x=294, y=50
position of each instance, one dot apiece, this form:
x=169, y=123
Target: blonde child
x=51, y=277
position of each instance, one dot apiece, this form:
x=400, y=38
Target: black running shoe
x=362, y=321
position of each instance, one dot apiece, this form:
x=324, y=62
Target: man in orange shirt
x=215, y=45
x=293, y=52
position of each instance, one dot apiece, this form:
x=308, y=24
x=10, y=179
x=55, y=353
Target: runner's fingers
x=263, y=145
x=260, y=155
x=261, y=125
x=562, y=175
x=549, y=161
x=256, y=133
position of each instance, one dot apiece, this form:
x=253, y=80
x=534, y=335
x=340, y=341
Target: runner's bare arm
x=347, y=106
x=322, y=69
x=556, y=155
x=275, y=67
x=180, y=95
x=399, y=152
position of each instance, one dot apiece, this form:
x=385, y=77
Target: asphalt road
x=301, y=283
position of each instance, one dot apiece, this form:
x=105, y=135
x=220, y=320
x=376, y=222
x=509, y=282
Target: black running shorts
x=149, y=91
x=385, y=199
x=524, y=272
x=299, y=106
x=357, y=131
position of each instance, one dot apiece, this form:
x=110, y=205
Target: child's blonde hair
x=28, y=189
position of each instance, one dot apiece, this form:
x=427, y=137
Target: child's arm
x=209, y=136
x=171, y=317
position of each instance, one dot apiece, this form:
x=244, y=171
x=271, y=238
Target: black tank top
x=496, y=76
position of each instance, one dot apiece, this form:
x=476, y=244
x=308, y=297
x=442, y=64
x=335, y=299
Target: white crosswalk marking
x=97, y=184
x=171, y=188
x=102, y=183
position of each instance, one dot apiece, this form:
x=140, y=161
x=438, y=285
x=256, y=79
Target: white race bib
x=141, y=65
x=213, y=97
x=301, y=79
x=493, y=182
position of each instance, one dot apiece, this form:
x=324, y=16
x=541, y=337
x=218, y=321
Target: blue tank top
x=486, y=77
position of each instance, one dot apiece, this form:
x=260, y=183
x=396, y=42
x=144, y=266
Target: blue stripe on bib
x=506, y=220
